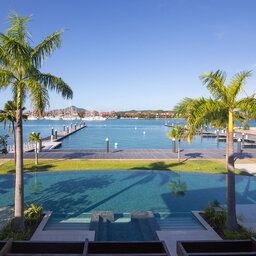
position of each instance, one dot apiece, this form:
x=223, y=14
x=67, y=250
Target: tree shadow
x=193, y=155
x=158, y=166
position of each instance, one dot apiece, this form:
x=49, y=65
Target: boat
x=94, y=118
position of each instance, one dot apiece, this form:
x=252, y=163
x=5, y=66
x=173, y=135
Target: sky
x=139, y=54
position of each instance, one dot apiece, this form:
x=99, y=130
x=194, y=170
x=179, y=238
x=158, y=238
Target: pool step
x=147, y=224
x=69, y=224
x=174, y=223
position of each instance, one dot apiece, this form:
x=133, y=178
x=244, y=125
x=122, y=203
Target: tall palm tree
x=19, y=69
x=177, y=132
x=222, y=109
x=8, y=114
x=36, y=138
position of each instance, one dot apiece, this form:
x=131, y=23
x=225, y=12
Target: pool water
x=79, y=192
x=73, y=195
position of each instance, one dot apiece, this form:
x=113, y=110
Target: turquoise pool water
x=127, y=133
x=80, y=192
x=74, y=195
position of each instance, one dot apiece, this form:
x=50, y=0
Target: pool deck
x=159, y=154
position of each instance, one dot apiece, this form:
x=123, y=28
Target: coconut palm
x=19, y=69
x=3, y=144
x=8, y=114
x=222, y=109
x=177, y=132
x=36, y=138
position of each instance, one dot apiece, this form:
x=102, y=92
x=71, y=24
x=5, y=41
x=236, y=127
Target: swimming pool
x=74, y=196
x=123, y=191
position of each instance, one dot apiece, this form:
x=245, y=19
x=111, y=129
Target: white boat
x=94, y=118
x=69, y=118
x=32, y=118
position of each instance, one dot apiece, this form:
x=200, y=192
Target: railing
x=27, y=146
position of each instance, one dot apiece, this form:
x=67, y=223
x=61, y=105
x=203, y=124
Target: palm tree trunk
x=178, y=150
x=14, y=143
x=231, y=195
x=19, y=185
x=36, y=153
x=227, y=148
x=227, y=162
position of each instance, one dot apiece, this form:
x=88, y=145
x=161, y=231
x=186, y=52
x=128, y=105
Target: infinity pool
x=124, y=191
x=73, y=196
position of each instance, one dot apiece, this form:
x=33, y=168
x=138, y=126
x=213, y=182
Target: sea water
x=127, y=133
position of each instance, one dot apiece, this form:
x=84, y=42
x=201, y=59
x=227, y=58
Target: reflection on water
x=178, y=189
x=35, y=188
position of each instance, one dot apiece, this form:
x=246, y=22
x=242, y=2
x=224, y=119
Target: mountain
x=72, y=108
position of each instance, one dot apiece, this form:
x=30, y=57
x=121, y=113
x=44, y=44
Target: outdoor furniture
x=218, y=248
x=22, y=248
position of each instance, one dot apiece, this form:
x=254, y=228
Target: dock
x=54, y=141
x=248, y=141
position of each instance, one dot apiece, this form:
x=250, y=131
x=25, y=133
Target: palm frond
x=247, y=106
x=215, y=83
x=46, y=48
x=18, y=27
x=237, y=82
x=39, y=96
x=54, y=83
x=6, y=77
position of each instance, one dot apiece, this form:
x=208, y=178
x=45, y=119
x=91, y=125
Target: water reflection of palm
x=177, y=188
x=36, y=187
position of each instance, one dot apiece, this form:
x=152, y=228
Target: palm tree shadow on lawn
x=158, y=166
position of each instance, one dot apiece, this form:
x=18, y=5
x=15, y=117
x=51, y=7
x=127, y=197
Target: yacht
x=94, y=118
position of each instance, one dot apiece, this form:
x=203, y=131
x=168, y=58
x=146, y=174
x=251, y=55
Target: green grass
x=204, y=166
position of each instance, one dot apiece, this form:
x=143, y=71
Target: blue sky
x=140, y=54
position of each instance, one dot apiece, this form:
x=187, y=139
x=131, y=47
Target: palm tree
x=36, y=138
x=177, y=132
x=19, y=69
x=9, y=114
x=223, y=109
x=3, y=144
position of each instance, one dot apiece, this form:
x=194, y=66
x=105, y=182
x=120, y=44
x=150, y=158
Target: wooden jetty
x=247, y=142
x=54, y=140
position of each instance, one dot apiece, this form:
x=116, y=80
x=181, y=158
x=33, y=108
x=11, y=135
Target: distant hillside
x=72, y=108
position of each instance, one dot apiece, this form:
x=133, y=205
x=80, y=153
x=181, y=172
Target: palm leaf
x=46, y=48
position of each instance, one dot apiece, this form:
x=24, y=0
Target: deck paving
x=188, y=154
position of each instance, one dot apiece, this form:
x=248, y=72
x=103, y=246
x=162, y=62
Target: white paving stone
x=246, y=216
x=250, y=168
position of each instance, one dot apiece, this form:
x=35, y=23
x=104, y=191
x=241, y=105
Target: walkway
x=159, y=154
x=250, y=168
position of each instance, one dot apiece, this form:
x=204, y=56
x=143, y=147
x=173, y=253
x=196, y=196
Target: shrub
x=246, y=126
x=33, y=215
x=217, y=219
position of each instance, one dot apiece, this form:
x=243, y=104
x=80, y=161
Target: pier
x=53, y=141
x=248, y=141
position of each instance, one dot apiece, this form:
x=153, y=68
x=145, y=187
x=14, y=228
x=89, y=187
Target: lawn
x=204, y=166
